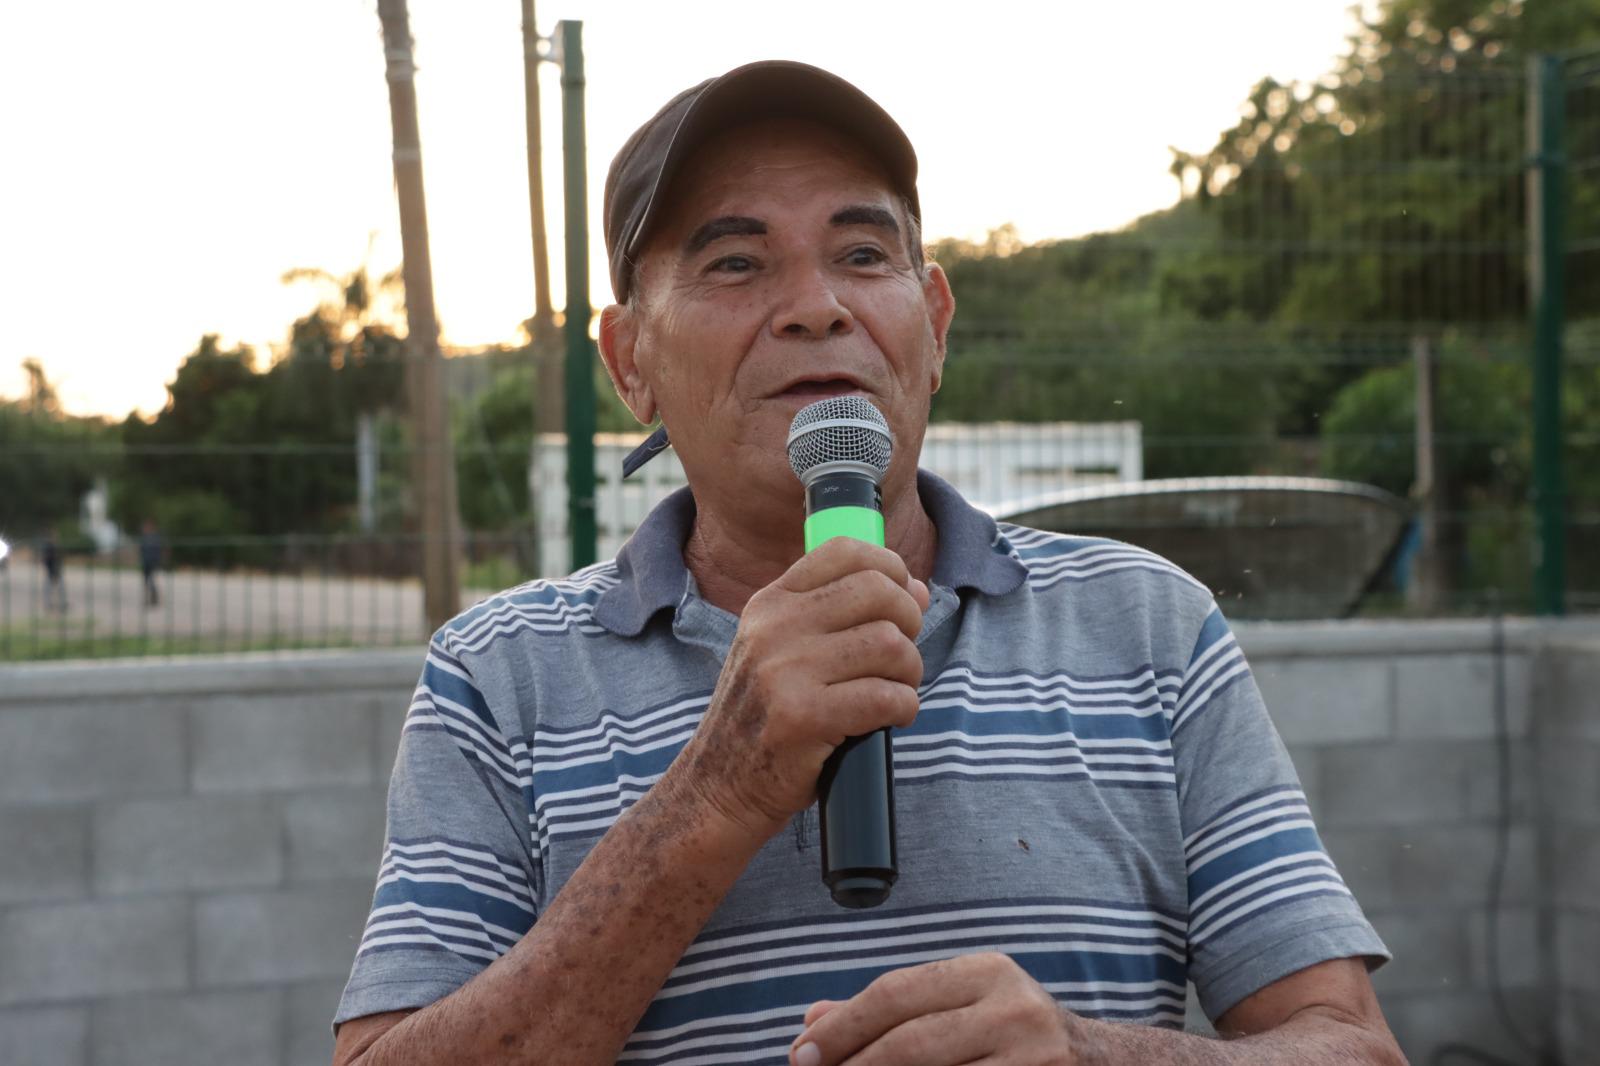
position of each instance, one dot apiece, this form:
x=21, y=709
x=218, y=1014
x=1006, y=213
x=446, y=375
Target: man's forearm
x=1310, y=1038
x=575, y=986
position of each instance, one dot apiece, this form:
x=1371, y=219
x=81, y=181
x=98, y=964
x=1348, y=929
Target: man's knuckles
x=872, y=703
x=879, y=641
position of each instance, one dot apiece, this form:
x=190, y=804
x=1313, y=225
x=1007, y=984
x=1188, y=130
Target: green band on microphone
x=857, y=523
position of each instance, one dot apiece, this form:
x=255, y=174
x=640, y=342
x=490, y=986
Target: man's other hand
x=826, y=652
x=974, y=1007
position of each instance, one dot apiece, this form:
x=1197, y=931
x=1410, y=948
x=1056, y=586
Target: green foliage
x=48, y=460
x=1481, y=448
x=206, y=525
x=493, y=442
x=1392, y=190
x=236, y=451
x=1265, y=323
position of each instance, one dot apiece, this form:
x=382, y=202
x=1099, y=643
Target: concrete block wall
x=1408, y=738
x=1567, y=731
x=187, y=848
x=187, y=851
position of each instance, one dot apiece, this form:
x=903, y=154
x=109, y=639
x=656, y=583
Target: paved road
x=208, y=609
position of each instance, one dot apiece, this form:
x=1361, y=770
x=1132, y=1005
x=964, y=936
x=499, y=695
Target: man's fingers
x=861, y=597
x=818, y=1009
x=944, y=1038
x=890, y=1001
x=873, y=649
x=868, y=703
x=835, y=558
x=919, y=592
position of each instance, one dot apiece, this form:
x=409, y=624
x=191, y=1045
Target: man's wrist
x=715, y=830
x=1101, y=1043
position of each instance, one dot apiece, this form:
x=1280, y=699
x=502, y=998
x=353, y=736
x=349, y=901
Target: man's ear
x=941, y=303
x=619, y=339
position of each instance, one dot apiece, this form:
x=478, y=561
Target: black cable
x=1497, y=874
x=1502, y=843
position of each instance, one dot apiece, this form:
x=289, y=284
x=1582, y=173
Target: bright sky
x=167, y=161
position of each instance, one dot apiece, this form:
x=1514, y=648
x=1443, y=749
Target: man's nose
x=811, y=308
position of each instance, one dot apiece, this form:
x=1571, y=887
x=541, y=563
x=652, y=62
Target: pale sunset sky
x=166, y=162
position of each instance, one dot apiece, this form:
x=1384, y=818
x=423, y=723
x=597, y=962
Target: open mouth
x=818, y=390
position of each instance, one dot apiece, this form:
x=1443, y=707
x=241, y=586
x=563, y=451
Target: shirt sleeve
x=457, y=882
x=1265, y=900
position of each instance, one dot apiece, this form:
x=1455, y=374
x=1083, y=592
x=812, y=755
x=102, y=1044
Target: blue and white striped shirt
x=1092, y=786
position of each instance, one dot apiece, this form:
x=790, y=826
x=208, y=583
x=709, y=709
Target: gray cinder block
x=311, y=1006
x=1429, y=945
x=1319, y=701
x=1451, y=697
x=1569, y=789
x=187, y=842
x=1566, y=680
x=1423, y=1022
x=44, y=1036
x=1518, y=941
x=335, y=834
x=239, y=1028
x=63, y=752
x=44, y=853
x=271, y=743
x=1578, y=1027
x=293, y=935
x=1408, y=783
x=1194, y=1016
x=1578, y=950
x=1453, y=864
x=65, y=951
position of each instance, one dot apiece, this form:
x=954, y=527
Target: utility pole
x=548, y=410
x=1423, y=594
x=433, y=464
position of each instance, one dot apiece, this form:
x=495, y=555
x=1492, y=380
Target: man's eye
x=732, y=264
x=866, y=255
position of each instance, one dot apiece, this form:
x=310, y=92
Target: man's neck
x=732, y=555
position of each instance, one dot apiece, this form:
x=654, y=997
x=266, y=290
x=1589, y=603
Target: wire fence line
x=1242, y=382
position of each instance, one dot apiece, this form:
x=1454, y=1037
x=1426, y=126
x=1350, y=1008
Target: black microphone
x=839, y=448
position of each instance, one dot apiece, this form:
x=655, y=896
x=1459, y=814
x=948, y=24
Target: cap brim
x=779, y=89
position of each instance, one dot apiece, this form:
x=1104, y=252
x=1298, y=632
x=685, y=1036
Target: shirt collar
x=651, y=576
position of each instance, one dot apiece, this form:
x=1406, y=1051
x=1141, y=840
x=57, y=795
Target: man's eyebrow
x=865, y=215
x=726, y=226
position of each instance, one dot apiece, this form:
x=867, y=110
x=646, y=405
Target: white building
x=990, y=463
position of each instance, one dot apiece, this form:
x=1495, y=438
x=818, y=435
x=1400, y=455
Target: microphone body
x=856, y=789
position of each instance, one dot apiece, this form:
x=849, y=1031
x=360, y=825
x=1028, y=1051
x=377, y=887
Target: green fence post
x=1547, y=290
x=580, y=357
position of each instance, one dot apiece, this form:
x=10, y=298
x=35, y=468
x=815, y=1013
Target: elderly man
x=602, y=836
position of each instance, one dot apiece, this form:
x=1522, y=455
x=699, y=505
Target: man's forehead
x=736, y=171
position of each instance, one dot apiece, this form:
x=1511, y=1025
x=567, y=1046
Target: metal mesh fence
x=1581, y=430
x=1243, y=383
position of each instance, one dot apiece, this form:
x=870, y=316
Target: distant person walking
x=151, y=550
x=55, y=587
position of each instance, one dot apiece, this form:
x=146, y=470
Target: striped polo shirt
x=1092, y=786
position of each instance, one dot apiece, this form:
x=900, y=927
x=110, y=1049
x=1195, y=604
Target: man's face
x=781, y=276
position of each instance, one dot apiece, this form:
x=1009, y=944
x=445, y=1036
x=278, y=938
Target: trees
x=1266, y=322
x=239, y=453
x=48, y=459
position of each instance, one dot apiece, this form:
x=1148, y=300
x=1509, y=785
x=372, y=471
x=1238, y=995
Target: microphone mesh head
x=840, y=430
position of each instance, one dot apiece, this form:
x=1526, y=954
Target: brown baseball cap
x=643, y=170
